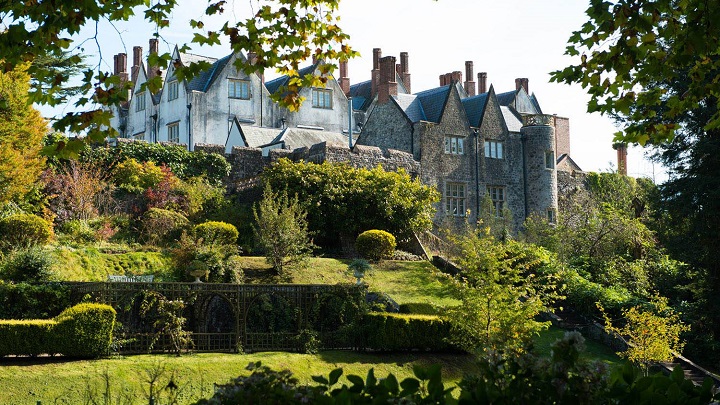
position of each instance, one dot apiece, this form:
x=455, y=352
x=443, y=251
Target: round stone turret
x=538, y=135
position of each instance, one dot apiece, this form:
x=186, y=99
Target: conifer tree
x=22, y=129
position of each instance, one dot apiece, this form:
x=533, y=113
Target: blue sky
x=507, y=39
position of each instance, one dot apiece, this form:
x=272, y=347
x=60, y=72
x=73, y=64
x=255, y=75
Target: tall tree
x=280, y=33
x=21, y=132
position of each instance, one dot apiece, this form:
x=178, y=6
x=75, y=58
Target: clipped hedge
x=33, y=301
x=375, y=244
x=25, y=229
x=84, y=330
x=400, y=332
x=216, y=233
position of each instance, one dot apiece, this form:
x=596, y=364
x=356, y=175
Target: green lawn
x=593, y=350
x=26, y=381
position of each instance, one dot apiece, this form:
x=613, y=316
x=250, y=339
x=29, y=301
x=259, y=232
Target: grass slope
x=93, y=264
x=26, y=381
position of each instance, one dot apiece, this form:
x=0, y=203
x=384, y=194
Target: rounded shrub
x=85, y=330
x=216, y=233
x=375, y=244
x=24, y=230
x=161, y=225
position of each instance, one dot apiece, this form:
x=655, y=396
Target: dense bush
x=341, y=200
x=222, y=262
x=583, y=295
x=84, y=330
x=375, y=244
x=76, y=230
x=216, y=233
x=25, y=229
x=135, y=177
x=161, y=225
x=33, y=301
x=32, y=264
x=393, y=332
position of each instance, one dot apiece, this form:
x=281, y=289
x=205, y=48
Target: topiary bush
x=85, y=330
x=25, y=230
x=160, y=225
x=375, y=244
x=216, y=233
x=27, y=338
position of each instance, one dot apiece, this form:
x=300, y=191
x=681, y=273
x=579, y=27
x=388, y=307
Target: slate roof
x=474, y=107
x=411, y=106
x=433, y=102
x=506, y=98
x=203, y=80
x=298, y=137
x=275, y=84
x=257, y=136
x=513, y=122
x=361, y=94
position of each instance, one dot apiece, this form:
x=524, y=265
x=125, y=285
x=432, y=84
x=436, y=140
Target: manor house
x=465, y=139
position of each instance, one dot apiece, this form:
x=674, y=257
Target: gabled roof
x=294, y=138
x=565, y=162
x=275, y=84
x=257, y=136
x=361, y=94
x=411, y=106
x=534, y=100
x=474, y=107
x=433, y=102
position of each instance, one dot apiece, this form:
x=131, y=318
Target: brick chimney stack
x=469, y=84
x=121, y=67
x=387, y=86
x=252, y=59
x=153, y=70
x=137, y=61
x=344, y=81
x=621, y=149
x=524, y=83
x=405, y=71
x=375, y=74
x=482, y=82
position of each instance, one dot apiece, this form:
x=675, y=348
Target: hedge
x=216, y=233
x=418, y=308
x=84, y=330
x=375, y=244
x=400, y=332
x=33, y=301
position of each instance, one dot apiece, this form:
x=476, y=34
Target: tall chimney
x=621, y=149
x=387, y=86
x=121, y=67
x=522, y=82
x=153, y=70
x=137, y=61
x=405, y=71
x=469, y=84
x=456, y=76
x=344, y=81
x=252, y=59
x=482, y=82
x=375, y=74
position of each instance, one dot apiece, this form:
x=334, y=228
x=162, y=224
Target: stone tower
x=538, y=137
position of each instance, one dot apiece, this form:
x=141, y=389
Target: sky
x=507, y=39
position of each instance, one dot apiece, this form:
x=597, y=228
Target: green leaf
x=335, y=375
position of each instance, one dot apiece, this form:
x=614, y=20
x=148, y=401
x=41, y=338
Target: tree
x=21, y=132
x=652, y=333
x=503, y=287
x=629, y=46
x=281, y=34
x=282, y=230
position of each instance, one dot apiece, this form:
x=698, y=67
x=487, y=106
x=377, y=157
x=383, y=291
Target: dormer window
x=239, y=89
x=322, y=98
x=172, y=90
